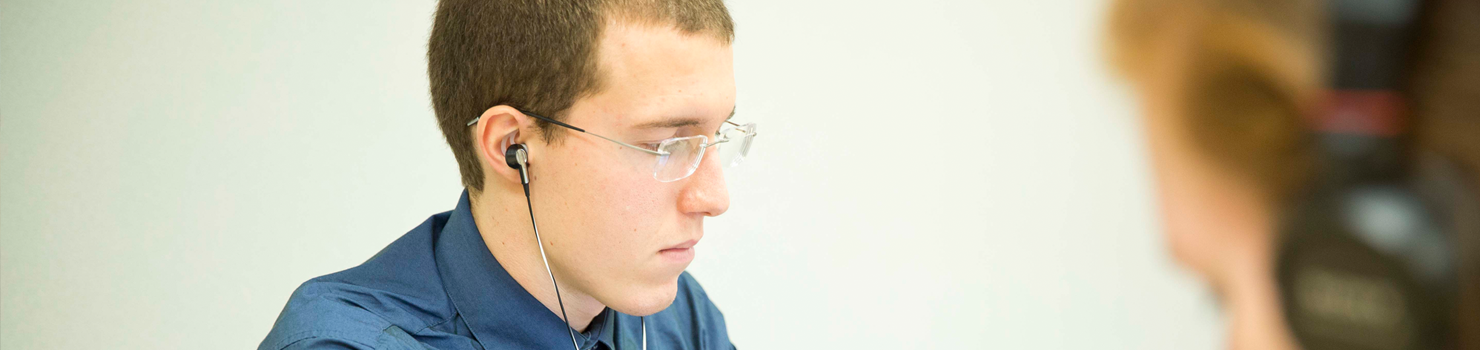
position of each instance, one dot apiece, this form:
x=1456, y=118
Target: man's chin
x=647, y=301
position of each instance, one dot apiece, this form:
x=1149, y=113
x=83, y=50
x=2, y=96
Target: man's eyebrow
x=670, y=123
x=678, y=122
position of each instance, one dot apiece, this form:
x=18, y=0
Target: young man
x=622, y=108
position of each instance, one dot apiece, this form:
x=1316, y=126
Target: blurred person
x=1227, y=87
x=580, y=129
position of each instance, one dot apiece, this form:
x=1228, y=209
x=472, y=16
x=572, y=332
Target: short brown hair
x=1252, y=66
x=539, y=56
x=1246, y=103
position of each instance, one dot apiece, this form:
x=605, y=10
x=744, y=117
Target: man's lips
x=685, y=245
x=680, y=253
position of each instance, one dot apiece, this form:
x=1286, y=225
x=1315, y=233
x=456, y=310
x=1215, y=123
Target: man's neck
x=503, y=221
x=1251, y=297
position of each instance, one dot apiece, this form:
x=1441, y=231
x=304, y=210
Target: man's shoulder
x=326, y=315
x=372, y=305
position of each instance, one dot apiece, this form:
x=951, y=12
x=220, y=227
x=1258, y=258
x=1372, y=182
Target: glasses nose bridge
x=724, y=135
x=703, y=156
x=717, y=140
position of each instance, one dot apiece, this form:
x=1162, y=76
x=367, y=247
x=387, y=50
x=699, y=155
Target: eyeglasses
x=678, y=157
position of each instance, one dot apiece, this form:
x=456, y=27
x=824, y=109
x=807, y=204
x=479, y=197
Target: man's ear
x=497, y=129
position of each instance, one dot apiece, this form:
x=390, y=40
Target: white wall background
x=932, y=174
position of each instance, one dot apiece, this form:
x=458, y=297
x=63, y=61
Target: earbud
x=518, y=158
x=516, y=155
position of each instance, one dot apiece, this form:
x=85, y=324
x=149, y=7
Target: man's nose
x=705, y=192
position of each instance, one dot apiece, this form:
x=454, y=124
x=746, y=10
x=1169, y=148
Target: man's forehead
x=658, y=77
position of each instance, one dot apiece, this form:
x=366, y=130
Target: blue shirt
x=438, y=287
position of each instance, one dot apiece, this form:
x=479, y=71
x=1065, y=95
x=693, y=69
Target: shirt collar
x=500, y=313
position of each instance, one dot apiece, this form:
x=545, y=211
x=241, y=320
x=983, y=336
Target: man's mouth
x=682, y=252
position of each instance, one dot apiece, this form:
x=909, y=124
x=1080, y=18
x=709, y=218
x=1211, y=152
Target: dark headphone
x=517, y=156
x=1368, y=254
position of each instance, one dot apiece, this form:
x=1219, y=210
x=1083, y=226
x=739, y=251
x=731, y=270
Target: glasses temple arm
x=652, y=152
x=572, y=127
x=556, y=122
x=536, y=116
